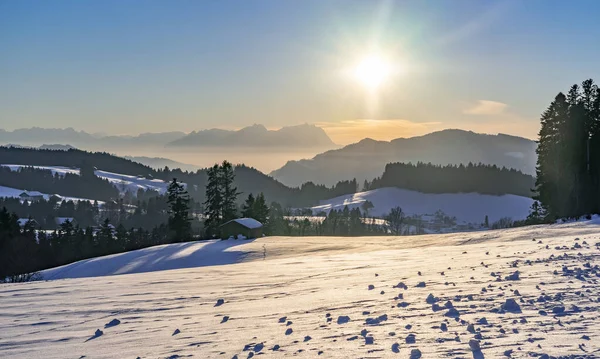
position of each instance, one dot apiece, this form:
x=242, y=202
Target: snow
x=22, y=221
x=61, y=220
x=467, y=207
x=157, y=258
x=8, y=192
x=124, y=183
x=33, y=193
x=341, y=297
x=60, y=170
x=249, y=223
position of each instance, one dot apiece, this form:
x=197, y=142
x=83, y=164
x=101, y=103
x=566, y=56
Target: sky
x=127, y=67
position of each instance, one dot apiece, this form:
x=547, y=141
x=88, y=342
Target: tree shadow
x=157, y=258
x=478, y=355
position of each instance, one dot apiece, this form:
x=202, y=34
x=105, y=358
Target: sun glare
x=372, y=71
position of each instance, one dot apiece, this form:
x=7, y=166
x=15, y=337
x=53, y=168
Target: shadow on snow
x=157, y=258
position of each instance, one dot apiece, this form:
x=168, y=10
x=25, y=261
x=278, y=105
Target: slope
x=124, y=172
x=367, y=158
x=480, y=295
x=124, y=183
x=467, y=207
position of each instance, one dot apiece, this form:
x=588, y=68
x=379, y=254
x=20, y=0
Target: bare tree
x=395, y=220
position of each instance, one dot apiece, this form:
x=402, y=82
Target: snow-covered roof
x=32, y=193
x=23, y=221
x=61, y=220
x=249, y=223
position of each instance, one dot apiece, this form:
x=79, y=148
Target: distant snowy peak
x=302, y=136
x=467, y=207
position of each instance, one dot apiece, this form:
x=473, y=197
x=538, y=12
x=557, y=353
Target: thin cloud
x=351, y=131
x=485, y=107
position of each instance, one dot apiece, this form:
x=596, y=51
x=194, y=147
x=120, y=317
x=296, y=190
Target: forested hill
x=73, y=158
x=248, y=180
x=421, y=177
x=479, y=178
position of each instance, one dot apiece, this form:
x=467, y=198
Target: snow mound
x=467, y=207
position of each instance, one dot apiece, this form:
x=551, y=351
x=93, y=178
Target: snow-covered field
x=520, y=293
x=467, y=207
x=124, y=183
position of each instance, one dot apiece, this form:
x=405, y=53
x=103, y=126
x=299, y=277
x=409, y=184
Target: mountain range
x=366, y=159
x=256, y=136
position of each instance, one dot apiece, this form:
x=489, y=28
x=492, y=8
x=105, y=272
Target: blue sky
x=149, y=66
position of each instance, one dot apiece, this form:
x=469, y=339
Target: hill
x=478, y=178
x=367, y=158
x=258, y=136
x=124, y=172
x=341, y=297
x=129, y=175
x=466, y=207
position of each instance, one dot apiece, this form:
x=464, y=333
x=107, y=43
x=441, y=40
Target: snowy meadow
x=518, y=293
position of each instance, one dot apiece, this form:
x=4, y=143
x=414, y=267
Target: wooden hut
x=247, y=227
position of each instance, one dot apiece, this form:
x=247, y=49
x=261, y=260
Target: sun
x=372, y=71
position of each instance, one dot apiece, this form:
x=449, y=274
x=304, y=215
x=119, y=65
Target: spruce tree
x=229, y=193
x=248, y=208
x=260, y=210
x=179, y=217
x=365, y=186
x=568, y=172
x=213, y=205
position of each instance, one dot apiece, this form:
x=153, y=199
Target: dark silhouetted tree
x=179, y=208
x=395, y=220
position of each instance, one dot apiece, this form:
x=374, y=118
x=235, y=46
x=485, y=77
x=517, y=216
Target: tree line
x=429, y=178
x=144, y=214
x=24, y=250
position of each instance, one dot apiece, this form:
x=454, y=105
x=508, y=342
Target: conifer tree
x=213, y=205
x=248, y=207
x=567, y=182
x=229, y=193
x=260, y=210
x=179, y=207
